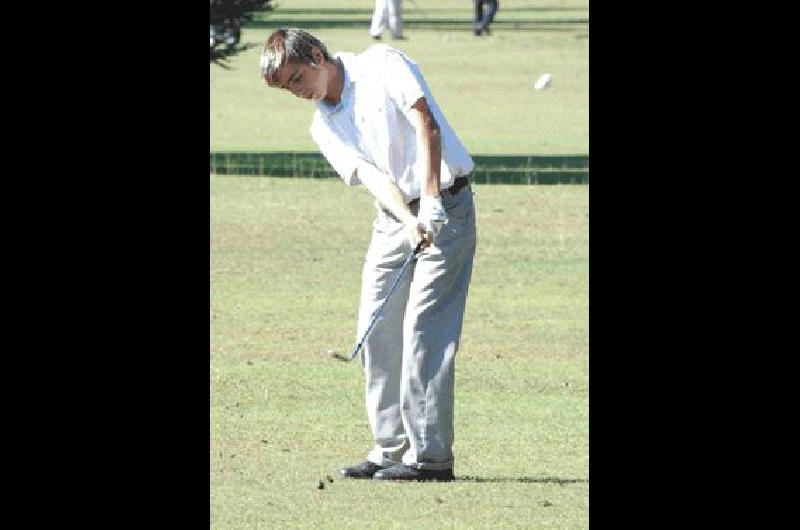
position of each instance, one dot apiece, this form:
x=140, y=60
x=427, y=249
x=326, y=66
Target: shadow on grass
x=407, y=11
x=435, y=19
x=422, y=23
x=525, y=480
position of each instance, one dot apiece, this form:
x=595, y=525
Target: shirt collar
x=348, y=65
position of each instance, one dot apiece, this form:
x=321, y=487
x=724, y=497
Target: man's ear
x=318, y=56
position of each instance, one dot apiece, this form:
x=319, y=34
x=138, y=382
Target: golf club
x=411, y=257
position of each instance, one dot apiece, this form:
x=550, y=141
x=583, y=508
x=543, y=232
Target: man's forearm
x=430, y=152
x=429, y=147
x=385, y=191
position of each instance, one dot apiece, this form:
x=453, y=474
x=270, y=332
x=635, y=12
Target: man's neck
x=336, y=82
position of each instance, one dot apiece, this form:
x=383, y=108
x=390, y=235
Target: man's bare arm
x=429, y=152
x=429, y=146
x=386, y=192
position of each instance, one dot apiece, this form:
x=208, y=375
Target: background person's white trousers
x=387, y=12
x=408, y=357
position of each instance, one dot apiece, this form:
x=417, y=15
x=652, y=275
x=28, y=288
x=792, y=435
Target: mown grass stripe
x=489, y=169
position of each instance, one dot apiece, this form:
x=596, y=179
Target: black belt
x=458, y=183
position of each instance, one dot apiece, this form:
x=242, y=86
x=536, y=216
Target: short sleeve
x=342, y=157
x=404, y=82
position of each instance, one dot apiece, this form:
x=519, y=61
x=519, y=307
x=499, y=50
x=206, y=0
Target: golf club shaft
x=394, y=285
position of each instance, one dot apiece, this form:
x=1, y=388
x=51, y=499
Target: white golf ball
x=543, y=82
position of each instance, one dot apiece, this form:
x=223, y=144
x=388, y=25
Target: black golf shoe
x=403, y=472
x=365, y=469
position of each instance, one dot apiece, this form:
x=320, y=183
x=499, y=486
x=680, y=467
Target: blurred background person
x=484, y=15
x=387, y=13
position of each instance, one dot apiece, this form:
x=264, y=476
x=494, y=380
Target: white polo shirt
x=370, y=122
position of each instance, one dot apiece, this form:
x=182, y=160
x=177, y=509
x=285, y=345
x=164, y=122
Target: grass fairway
x=484, y=85
x=286, y=256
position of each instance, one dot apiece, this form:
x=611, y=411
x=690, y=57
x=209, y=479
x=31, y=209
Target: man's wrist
x=424, y=197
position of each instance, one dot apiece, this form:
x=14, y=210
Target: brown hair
x=292, y=45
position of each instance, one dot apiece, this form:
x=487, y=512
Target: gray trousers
x=408, y=358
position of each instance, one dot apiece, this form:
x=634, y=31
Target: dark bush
x=226, y=20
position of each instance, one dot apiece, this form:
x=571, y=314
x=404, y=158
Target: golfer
x=377, y=124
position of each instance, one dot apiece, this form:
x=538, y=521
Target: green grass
x=483, y=85
x=286, y=256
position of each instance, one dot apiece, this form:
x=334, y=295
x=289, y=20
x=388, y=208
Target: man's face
x=302, y=80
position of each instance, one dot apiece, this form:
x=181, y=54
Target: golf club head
x=346, y=358
x=354, y=352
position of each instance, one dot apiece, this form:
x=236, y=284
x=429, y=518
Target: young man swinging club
x=377, y=124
